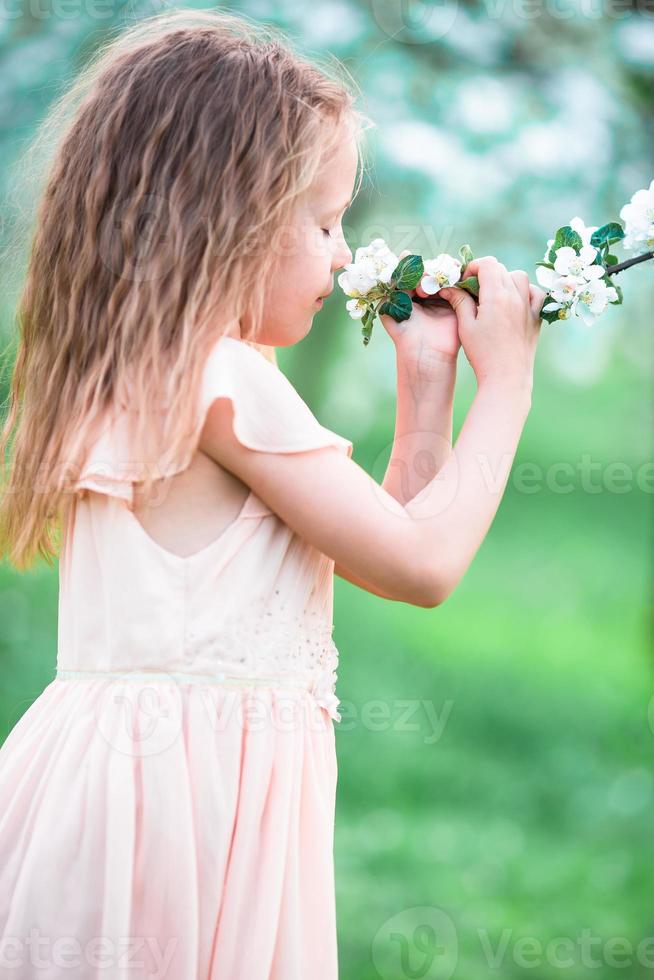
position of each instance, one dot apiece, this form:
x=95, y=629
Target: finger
x=391, y=326
x=537, y=298
x=521, y=280
x=461, y=302
x=485, y=261
x=492, y=276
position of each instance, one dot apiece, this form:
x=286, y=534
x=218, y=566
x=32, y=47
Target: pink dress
x=167, y=802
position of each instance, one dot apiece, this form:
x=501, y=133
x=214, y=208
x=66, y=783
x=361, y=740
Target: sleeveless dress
x=167, y=803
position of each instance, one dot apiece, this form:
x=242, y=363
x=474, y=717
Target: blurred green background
x=496, y=791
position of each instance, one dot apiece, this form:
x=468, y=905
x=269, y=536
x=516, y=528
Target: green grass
x=531, y=815
x=532, y=811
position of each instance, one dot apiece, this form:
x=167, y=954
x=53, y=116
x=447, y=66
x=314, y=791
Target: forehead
x=335, y=179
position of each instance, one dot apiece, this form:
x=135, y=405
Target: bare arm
x=416, y=552
x=422, y=440
x=423, y=430
x=465, y=497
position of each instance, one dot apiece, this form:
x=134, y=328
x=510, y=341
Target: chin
x=294, y=329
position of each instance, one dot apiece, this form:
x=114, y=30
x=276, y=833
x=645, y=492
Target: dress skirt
x=168, y=830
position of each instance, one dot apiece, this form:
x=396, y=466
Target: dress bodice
x=256, y=602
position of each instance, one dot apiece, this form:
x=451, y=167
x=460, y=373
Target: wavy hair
x=182, y=145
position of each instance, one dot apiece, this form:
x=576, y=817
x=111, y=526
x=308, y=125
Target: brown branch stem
x=612, y=269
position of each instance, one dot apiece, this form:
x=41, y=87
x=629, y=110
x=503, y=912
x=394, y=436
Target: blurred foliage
x=532, y=810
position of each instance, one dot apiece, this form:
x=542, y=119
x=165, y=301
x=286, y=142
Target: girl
x=167, y=803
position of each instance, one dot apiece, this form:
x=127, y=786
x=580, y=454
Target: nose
x=342, y=255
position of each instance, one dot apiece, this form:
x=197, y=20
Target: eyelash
x=327, y=231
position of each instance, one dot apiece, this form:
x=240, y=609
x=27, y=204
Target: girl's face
x=310, y=251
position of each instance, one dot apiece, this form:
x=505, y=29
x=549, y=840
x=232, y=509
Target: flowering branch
x=575, y=271
x=378, y=281
x=625, y=265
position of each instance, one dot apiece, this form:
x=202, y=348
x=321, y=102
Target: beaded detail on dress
x=267, y=640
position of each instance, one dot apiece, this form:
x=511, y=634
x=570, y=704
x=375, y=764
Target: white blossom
x=569, y=262
x=356, y=308
x=592, y=299
x=638, y=217
x=373, y=264
x=355, y=282
x=577, y=225
x=576, y=295
x=561, y=288
x=442, y=271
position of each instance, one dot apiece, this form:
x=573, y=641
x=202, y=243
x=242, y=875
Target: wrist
x=516, y=387
x=425, y=368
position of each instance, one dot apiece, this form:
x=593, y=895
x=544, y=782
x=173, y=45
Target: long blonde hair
x=202, y=129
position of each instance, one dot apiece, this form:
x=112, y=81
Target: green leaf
x=408, y=272
x=398, y=305
x=471, y=285
x=609, y=233
x=552, y=316
x=465, y=254
x=567, y=236
x=610, y=260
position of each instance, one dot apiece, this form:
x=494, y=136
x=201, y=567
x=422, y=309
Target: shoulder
x=269, y=413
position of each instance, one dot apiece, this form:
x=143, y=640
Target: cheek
x=309, y=270
x=293, y=290
x=303, y=270
x=315, y=245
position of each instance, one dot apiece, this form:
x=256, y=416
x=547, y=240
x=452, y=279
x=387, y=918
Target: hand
x=429, y=338
x=499, y=336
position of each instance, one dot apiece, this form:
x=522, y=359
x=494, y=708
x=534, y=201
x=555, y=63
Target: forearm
x=456, y=511
x=423, y=430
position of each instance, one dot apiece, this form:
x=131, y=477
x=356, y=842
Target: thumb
x=537, y=299
x=461, y=302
